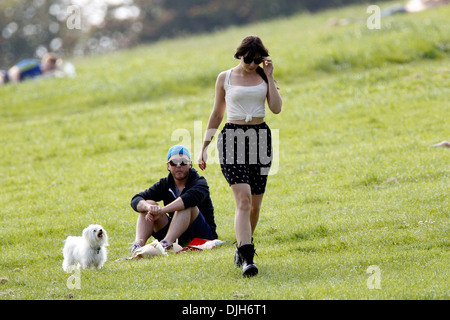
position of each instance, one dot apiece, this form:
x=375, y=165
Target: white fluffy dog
x=88, y=250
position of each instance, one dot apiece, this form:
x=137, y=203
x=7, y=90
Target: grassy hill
x=356, y=183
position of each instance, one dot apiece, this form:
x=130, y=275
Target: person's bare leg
x=144, y=229
x=256, y=208
x=245, y=250
x=242, y=226
x=181, y=221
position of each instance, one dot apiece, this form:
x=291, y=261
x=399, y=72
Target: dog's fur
x=87, y=251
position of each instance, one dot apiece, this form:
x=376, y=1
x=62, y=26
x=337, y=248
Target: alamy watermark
x=73, y=17
x=74, y=281
x=374, y=281
x=374, y=20
x=259, y=149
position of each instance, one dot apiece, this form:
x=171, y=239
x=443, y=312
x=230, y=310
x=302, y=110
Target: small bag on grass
x=154, y=249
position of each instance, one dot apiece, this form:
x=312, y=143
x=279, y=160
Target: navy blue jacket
x=195, y=193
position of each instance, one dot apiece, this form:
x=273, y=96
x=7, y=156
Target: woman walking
x=244, y=144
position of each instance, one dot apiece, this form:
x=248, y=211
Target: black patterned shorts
x=245, y=153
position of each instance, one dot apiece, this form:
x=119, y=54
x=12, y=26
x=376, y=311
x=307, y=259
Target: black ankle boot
x=246, y=253
x=237, y=258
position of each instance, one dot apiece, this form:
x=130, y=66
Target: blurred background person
x=31, y=68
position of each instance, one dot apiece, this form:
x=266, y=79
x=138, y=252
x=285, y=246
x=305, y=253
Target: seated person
x=188, y=211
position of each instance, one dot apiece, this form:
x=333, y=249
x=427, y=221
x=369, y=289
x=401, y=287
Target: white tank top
x=245, y=102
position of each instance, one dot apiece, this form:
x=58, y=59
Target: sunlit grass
x=357, y=182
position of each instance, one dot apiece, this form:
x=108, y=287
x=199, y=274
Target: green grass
x=357, y=183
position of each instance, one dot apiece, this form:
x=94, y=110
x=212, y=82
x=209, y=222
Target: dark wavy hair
x=252, y=46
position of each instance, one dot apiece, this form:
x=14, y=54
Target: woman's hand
x=267, y=66
x=203, y=156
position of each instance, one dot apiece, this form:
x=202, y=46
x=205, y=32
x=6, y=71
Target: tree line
x=30, y=28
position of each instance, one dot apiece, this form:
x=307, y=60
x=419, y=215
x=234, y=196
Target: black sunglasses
x=181, y=162
x=249, y=60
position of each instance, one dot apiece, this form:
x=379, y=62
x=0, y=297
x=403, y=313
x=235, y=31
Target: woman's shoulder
x=221, y=77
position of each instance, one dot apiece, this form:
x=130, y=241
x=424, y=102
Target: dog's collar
x=97, y=249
